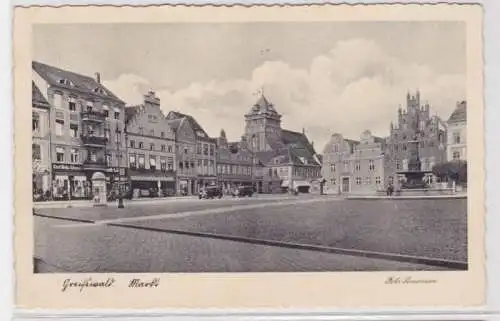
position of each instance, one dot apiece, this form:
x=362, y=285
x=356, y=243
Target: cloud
x=353, y=87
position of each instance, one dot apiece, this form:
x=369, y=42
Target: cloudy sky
x=325, y=77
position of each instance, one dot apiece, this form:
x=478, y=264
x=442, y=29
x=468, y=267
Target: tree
x=454, y=171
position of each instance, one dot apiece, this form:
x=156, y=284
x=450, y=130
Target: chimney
x=98, y=77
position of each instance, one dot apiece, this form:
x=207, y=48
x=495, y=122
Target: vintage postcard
x=249, y=156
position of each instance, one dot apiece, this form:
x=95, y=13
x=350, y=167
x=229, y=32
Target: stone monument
x=414, y=174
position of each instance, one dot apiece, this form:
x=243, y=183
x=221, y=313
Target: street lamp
x=120, y=192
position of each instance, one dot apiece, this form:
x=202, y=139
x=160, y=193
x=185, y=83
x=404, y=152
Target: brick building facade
x=86, y=122
x=151, y=149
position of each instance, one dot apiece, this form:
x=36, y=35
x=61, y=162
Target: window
x=74, y=155
x=141, y=130
x=186, y=150
x=181, y=164
x=163, y=164
x=332, y=167
x=35, y=122
x=36, y=151
x=186, y=164
x=358, y=180
x=368, y=180
x=152, y=163
x=398, y=165
x=141, y=161
x=141, y=145
x=456, y=138
x=117, y=115
x=169, y=148
x=162, y=134
x=205, y=149
x=170, y=163
x=152, y=132
x=198, y=148
x=92, y=156
x=59, y=127
x=212, y=150
x=151, y=146
x=346, y=166
x=132, y=144
x=270, y=172
x=132, y=161
x=391, y=180
x=404, y=147
x=334, y=181
x=357, y=166
x=106, y=113
x=57, y=101
x=377, y=180
x=90, y=106
x=371, y=164
x=72, y=104
x=456, y=155
x=73, y=130
x=107, y=133
x=162, y=147
x=59, y=154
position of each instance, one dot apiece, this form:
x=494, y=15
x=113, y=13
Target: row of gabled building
x=371, y=163
x=80, y=127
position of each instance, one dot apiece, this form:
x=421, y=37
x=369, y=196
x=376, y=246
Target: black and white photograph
x=249, y=147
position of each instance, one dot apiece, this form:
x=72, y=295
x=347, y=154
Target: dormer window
x=100, y=91
x=66, y=82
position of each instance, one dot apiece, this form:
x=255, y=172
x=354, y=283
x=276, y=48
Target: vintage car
x=210, y=192
x=242, y=191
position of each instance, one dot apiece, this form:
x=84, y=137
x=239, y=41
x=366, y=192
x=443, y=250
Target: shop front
x=186, y=186
x=153, y=184
x=69, y=181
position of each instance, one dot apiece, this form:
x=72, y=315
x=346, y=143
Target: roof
x=172, y=115
x=37, y=98
x=459, y=114
x=174, y=124
x=297, y=139
x=263, y=106
x=88, y=85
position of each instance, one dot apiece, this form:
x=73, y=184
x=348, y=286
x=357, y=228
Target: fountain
x=414, y=174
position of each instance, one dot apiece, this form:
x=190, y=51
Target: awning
x=301, y=183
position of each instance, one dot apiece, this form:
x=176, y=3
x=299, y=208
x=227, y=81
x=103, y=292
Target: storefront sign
x=67, y=167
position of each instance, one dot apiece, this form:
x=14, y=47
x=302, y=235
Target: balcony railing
x=95, y=116
x=96, y=164
x=93, y=140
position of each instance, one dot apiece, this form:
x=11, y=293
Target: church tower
x=262, y=124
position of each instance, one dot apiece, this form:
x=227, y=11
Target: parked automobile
x=210, y=192
x=243, y=191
